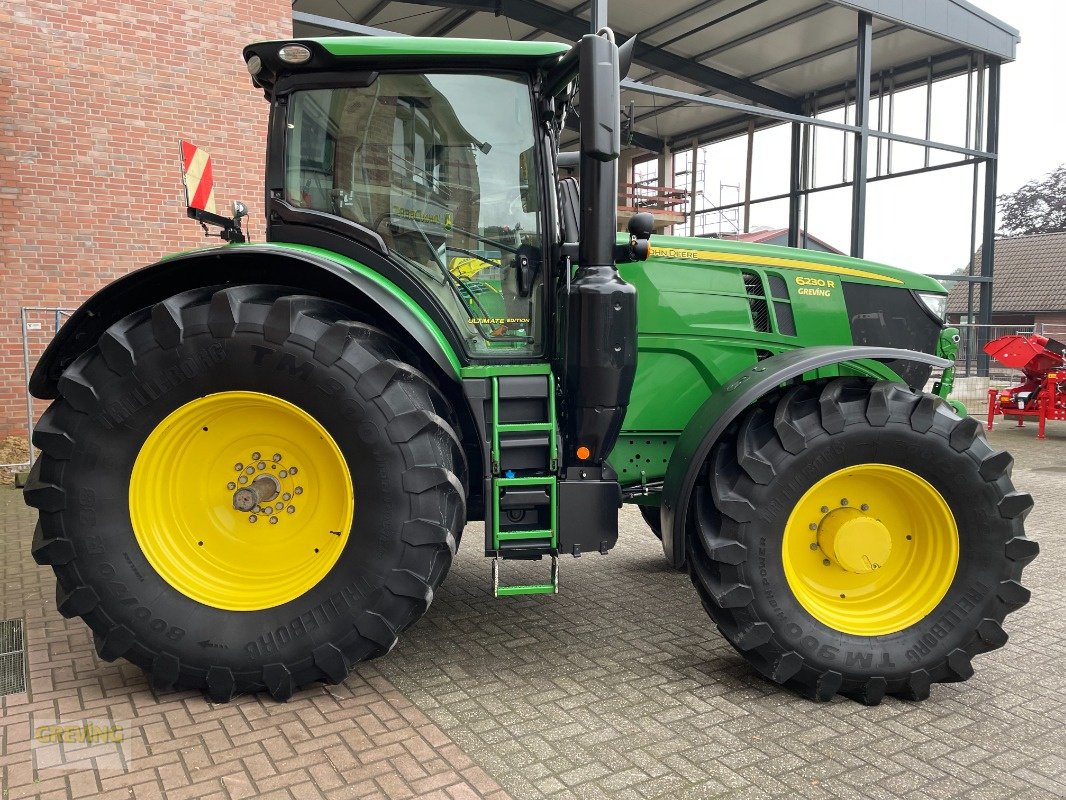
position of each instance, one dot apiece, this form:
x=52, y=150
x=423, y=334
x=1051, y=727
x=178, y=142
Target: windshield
x=442, y=167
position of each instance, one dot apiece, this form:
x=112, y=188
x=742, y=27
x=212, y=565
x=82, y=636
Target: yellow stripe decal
x=766, y=261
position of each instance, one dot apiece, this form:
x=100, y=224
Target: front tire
x=149, y=525
x=813, y=488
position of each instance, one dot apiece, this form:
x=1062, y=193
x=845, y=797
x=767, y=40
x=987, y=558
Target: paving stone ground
x=617, y=688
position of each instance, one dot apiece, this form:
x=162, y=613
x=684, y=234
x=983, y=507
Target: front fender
x=306, y=269
x=727, y=403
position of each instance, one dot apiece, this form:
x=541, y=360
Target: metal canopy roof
x=790, y=55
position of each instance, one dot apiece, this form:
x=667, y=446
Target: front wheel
x=858, y=538
x=244, y=490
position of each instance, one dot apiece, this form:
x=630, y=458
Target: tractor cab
x=413, y=161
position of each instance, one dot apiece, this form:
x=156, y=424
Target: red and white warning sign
x=197, y=177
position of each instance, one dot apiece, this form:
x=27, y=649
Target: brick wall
x=94, y=97
x=1053, y=321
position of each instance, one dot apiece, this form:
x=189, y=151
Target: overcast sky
x=923, y=222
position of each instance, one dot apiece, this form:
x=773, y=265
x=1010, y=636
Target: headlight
x=294, y=54
x=937, y=303
x=255, y=65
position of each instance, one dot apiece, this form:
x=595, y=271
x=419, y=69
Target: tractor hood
x=728, y=252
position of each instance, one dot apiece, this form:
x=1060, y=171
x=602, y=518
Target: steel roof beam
x=785, y=116
x=376, y=9
x=739, y=121
x=340, y=26
x=955, y=21
x=750, y=37
x=567, y=26
x=766, y=73
x=447, y=23
x=676, y=18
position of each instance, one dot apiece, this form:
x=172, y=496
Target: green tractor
x=261, y=456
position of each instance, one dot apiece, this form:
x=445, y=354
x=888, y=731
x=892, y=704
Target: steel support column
x=863, y=57
x=598, y=15
x=747, y=174
x=988, y=231
x=692, y=187
x=794, y=186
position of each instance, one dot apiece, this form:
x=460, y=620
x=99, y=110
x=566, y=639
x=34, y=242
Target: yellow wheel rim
x=871, y=549
x=241, y=500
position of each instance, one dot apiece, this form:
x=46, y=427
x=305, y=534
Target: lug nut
x=814, y=545
x=287, y=496
x=843, y=501
x=279, y=505
x=825, y=509
x=249, y=470
x=292, y=470
x=242, y=479
x=273, y=520
x=261, y=465
x=864, y=507
x=300, y=490
x=825, y=561
x=291, y=509
x=255, y=456
x=252, y=517
x=277, y=457
x=283, y=474
x=813, y=526
x=238, y=466
x=231, y=486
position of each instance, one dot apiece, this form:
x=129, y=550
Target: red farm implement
x=1042, y=393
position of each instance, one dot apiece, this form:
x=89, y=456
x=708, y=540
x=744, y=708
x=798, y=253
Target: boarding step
x=525, y=511
x=552, y=587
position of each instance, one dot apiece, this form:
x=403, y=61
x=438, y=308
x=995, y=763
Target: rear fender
x=306, y=269
x=727, y=403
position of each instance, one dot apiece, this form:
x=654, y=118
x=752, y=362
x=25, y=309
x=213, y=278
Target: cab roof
x=349, y=54
x=433, y=46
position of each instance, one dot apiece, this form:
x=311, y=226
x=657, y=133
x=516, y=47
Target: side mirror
x=641, y=225
x=625, y=57
x=600, y=137
x=570, y=209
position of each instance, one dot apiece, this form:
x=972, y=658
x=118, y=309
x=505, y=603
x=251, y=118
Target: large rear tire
x=651, y=517
x=244, y=490
x=858, y=538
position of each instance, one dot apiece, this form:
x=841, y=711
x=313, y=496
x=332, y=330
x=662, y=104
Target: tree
x=1038, y=207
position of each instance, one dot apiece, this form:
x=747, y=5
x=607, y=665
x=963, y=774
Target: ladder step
x=510, y=536
x=533, y=588
x=528, y=588
x=533, y=480
x=506, y=427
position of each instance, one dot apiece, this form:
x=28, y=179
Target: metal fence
x=39, y=325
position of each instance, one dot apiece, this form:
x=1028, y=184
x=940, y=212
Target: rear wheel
x=244, y=490
x=858, y=538
x=651, y=516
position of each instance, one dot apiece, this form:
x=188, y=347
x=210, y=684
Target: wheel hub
x=263, y=489
x=241, y=500
x=870, y=549
x=266, y=489
x=854, y=541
